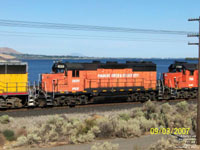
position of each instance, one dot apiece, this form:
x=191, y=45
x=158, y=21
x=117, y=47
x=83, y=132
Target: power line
x=78, y=36
x=46, y=25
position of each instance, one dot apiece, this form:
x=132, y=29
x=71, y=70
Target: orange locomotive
x=81, y=83
x=181, y=81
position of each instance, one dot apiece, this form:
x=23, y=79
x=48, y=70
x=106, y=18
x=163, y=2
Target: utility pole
x=198, y=99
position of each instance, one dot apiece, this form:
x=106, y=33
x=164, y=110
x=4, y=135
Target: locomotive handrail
x=16, y=87
x=12, y=82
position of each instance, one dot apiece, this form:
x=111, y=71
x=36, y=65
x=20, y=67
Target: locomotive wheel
x=14, y=102
x=147, y=97
x=152, y=96
x=70, y=101
x=135, y=97
x=17, y=103
x=83, y=100
x=186, y=94
x=41, y=103
x=56, y=102
x=2, y=103
x=129, y=99
x=194, y=94
x=178, y=95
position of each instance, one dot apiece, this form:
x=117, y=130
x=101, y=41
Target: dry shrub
x=163, y=144
x=106, y=127
x=182, y=107
x=130, y=128
x=83, y=131
x=22, y=140
x=137, y=112
x=124, y=116
x=4, y=119
x=182, y=122
x=9, y=135
x=62, y=129
x=21, y=132
x=150, y=108
x=33, y=138
x=2, y=140
x=82, y=138
x=105, y=146
x=146, y=125
x=166, y=108
x=53, y=129
x=166, y=144
x=86, y=126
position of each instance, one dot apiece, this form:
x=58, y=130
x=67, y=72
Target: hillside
x=6, y=50
x=6, y=54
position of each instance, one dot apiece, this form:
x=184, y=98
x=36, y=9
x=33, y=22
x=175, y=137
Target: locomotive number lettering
x=75, y=80
x=191, y=78
x=61, y=66
x=75, y=88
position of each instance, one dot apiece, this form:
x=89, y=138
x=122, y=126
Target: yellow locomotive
x=14, y=89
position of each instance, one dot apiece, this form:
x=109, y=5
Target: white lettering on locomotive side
x=75, y=80
x=191, y=78
x=190, y=85
x=103, y=75
x=135, y=75
x=75, y=88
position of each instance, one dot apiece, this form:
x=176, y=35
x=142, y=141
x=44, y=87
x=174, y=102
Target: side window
x=191, y=72
x=75, y=73
x=178, y=70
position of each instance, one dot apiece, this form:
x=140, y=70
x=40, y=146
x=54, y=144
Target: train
x=71, y=84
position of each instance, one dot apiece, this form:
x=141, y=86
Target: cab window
x=191, y=72
x=75, y=73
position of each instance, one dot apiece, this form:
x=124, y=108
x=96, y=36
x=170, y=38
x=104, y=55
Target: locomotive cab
x=181, y=79
x=181, y=75
x=59, y=67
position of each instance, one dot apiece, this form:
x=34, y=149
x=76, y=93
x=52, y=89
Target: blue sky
x=143, y=14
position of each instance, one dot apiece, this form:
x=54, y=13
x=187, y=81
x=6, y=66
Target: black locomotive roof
x=183, y=65
x=136, y=66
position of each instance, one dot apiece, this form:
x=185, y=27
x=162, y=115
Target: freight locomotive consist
x=82, y=83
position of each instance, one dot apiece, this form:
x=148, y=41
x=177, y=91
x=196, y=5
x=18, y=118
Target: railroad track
x=90, y=108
